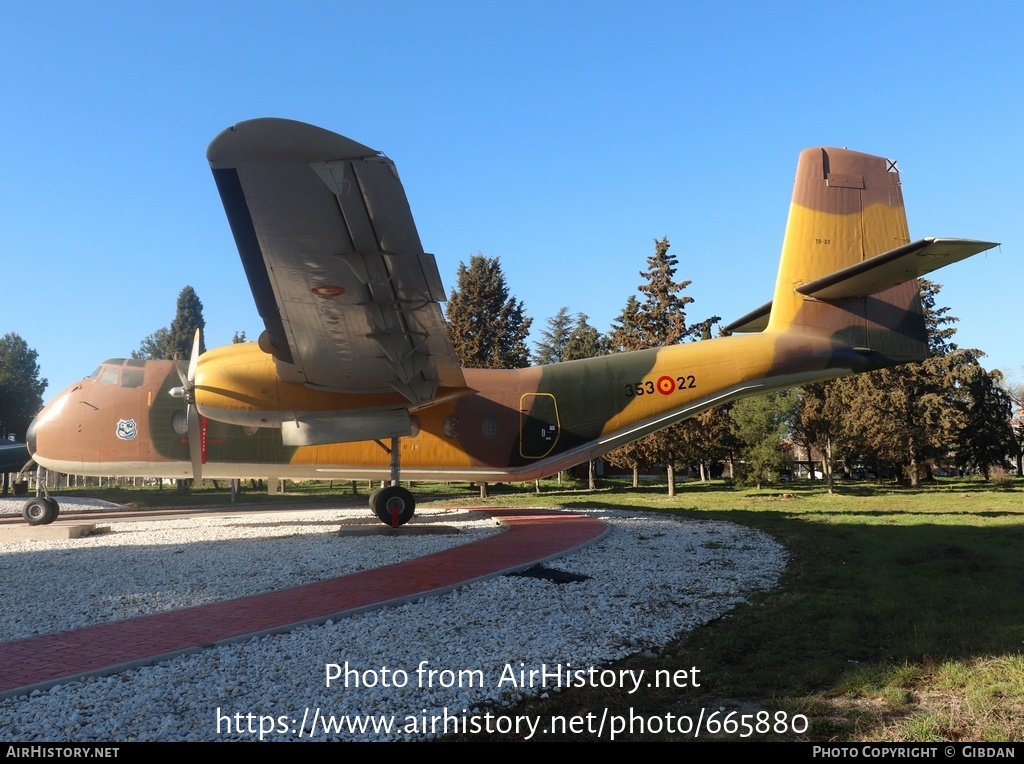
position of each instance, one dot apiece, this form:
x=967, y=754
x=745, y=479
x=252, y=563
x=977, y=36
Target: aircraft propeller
x=195, y=426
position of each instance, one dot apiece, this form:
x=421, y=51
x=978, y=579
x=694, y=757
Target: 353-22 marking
x=665, y=385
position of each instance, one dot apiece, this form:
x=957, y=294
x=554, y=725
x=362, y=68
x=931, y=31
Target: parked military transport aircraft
x=355, y=375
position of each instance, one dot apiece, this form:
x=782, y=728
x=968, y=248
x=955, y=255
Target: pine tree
x=705, y=440
x=986, y=437
x=584, y=341
x=661, y=319
x=761, y=425
x=554, y=338
x=909, y=414
x=21, y=388
x=821, y=423
x=625, y=337
x=658, y=320
x=488, y=328
x=626, y=334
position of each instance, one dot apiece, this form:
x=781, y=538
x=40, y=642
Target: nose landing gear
x=42, y=510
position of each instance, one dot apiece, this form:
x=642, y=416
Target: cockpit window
x=111, y=373
x=131, y=377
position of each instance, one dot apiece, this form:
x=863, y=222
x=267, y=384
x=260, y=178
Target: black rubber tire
x=386, y=500
x=39, y=511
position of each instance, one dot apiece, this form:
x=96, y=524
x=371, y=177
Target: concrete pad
x=380, y=529
x=12, y=533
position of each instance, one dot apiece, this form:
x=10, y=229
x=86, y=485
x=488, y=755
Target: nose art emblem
x=126, y=429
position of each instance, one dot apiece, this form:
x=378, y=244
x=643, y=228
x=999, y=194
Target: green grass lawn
x=900, y=616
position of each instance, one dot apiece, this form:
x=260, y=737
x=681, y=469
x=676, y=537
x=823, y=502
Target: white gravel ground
x=650, y=579
x=150, y=567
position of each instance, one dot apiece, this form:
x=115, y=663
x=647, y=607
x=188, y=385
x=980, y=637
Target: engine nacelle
x=238, y=384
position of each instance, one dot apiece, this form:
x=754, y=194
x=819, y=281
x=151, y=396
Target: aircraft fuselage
x=513, y=424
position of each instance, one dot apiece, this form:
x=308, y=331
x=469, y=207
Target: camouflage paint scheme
x=467, y=424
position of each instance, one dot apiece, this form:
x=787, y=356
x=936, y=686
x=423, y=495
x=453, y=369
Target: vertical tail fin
x=847, y=208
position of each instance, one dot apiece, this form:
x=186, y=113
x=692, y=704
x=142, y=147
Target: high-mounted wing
x=348, y=296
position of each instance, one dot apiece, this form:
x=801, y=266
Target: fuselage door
x=538, y=425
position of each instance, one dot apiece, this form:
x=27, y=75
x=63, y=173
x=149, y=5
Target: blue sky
x=561, y=137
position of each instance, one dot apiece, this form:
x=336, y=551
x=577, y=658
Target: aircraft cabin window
x=179, y=422
x=109, y=375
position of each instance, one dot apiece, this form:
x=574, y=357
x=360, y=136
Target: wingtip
x=274, y=139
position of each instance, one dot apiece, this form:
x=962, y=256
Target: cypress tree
x=187, y=318
x=166, y=341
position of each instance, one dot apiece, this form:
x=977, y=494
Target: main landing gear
x=42, y=510
x=393, y=505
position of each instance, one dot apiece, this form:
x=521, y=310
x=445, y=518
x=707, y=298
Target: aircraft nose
x=30, y=437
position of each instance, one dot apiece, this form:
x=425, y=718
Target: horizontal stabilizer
x=754, y=321
x=892, y=268
x=874, y=275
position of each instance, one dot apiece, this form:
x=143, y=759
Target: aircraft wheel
x=393, y=505
x=39, y=511
x=53, y=503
